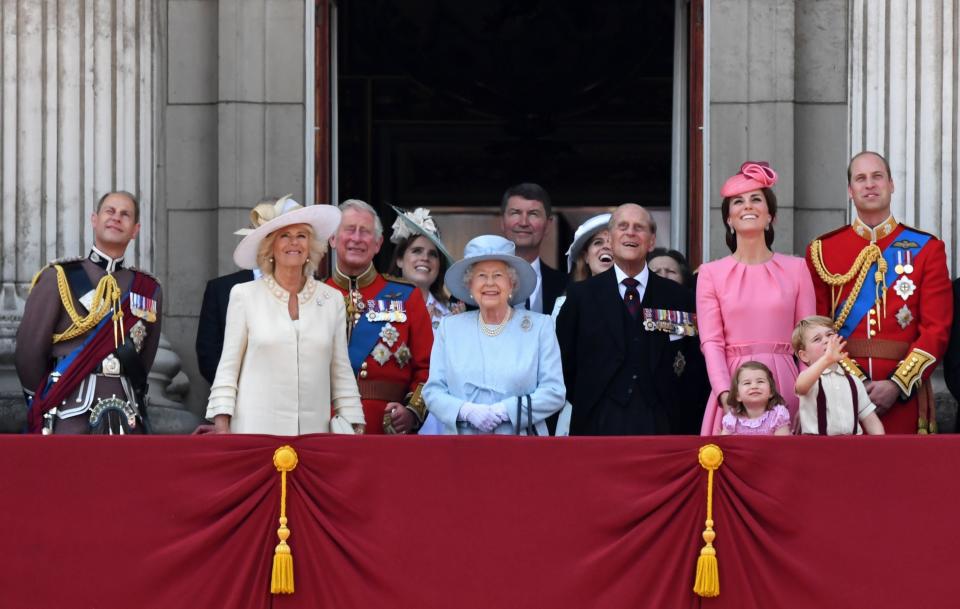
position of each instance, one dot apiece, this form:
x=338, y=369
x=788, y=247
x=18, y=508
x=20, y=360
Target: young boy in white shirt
x=833, y=402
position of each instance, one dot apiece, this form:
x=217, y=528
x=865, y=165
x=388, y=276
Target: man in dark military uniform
x=886, y=287
x=89, y=333
x=388, y=326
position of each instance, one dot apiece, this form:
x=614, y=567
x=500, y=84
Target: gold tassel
x=707, y=581
x=281, y=580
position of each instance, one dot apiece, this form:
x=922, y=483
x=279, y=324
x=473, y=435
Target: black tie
x=632, y=297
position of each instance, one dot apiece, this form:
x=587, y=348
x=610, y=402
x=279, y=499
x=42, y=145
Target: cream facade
x=202, y=107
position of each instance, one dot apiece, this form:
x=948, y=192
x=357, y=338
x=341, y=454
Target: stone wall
x=232, y=116
x=778, y=92
x=77, y=121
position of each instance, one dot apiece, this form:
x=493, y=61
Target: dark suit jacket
x=553, y=285
x=951, y=361
x=213, y=321
x=591, y=332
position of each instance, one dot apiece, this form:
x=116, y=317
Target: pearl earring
x=731, y=229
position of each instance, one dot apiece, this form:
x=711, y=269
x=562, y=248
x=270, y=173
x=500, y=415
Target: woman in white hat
x=421, y=258
x=591, y=252
x=496, y=369
x=284, y=356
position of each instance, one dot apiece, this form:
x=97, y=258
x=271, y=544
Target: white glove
x=485, y=417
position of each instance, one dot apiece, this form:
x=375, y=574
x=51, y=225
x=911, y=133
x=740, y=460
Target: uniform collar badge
x=105, y=262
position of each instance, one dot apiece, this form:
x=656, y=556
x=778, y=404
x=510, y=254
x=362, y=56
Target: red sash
x=99, y=347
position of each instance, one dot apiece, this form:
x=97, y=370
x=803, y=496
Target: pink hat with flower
x=753, y=175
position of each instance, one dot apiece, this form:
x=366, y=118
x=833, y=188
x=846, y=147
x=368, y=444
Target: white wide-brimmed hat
x=324, y=220
x=418, y=222
x=584, y=233
x=491, y=247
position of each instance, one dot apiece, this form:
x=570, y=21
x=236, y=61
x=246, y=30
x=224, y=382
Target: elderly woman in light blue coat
x=496, y=369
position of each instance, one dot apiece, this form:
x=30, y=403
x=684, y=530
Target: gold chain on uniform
x=861, y=266
x=106, y=299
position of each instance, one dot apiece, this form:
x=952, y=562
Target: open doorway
x=444, y=104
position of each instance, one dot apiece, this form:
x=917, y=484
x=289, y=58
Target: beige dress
x=278, y=377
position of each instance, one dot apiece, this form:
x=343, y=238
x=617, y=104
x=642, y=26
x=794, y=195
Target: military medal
x=679, y=363
x=908, y=267
x=380, y=354
x=899, y=268
x=904, y=287
x=137, y=333
x=904, y=317
x=389, y=334
x=143, y=307
x=403, y=355
x=648, y=324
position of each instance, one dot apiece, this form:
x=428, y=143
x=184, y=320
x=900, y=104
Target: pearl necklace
x=493, y=329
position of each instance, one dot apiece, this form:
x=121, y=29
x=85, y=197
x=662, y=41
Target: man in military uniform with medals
x=89, y=333
x=388, y=326
x=887, y=289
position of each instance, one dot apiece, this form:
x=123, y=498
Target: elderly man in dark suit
x=623, y=337
x=216, y=297
x=525, y=215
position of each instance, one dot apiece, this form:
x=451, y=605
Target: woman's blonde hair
x=265, y=252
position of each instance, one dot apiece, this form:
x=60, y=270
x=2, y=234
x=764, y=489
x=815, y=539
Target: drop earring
x=731, y=229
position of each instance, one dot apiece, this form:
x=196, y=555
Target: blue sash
x=906, y=241
x=366, y=333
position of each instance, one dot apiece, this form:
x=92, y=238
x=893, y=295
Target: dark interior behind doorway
x=446, y=102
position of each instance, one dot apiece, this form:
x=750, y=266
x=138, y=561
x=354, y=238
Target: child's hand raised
x=835, y=352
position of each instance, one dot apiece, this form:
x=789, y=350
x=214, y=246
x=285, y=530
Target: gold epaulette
x=53, y=263
x=910, y=371
x=850, y=367
x=396, y=279
x=143, y=272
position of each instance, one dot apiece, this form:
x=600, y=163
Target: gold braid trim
x=861, y=266
x=105, y=299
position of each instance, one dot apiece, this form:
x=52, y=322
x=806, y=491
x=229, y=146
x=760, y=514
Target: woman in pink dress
x=749, y=302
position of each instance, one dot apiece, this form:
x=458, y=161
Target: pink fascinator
x=753, y=175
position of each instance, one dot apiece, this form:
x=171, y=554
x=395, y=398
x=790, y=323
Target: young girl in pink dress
x=756, y=407
x=749, y=302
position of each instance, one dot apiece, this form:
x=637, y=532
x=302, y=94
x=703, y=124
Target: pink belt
x=757, y=348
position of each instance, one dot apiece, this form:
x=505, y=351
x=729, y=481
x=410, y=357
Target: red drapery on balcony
x=439, y=523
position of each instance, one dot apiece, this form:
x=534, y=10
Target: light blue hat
x=491, y=247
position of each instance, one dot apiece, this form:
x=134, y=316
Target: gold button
x=363, y=374
x=873, y=332
x=873, y=321
x=363, y=366
x=914, y=359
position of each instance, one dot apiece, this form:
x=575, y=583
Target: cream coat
x=274, y=379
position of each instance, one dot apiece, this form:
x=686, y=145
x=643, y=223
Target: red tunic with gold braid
x=901, y=339
x=398, y=365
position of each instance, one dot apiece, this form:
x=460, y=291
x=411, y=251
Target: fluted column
x=904, y=95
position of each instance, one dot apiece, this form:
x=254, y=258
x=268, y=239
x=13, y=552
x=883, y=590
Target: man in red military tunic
x=886, y=286
x=388, y=326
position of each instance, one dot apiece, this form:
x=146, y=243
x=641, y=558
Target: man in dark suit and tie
x=623, y=335
x=213, y=311
x=525, y=215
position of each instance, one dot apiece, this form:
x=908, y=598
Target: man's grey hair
x=611, y=222
x=364, y=206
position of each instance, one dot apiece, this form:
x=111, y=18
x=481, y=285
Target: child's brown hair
x=733, y=399
x=814, y=321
